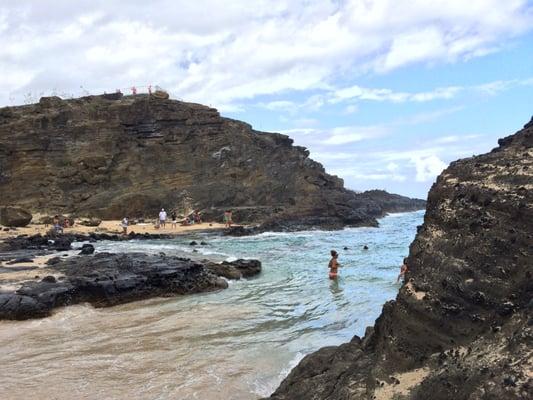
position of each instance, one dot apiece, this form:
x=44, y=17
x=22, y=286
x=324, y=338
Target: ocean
x=237, y=343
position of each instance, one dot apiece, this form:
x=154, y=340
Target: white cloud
x=238, y=50
x=360, y=93
x=279, y=105
x=351, y=109
x=333, y=155
x=350, y=134
x=455, y=138
x=427, y=168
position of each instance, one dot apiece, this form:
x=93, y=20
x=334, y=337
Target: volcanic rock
x=14, y=216
x=460, y=327
x=92, y=156
x=87, y=249
x=108, y=279
x=235, y=269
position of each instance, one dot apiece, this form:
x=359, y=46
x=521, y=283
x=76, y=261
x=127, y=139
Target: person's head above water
x=334, y=253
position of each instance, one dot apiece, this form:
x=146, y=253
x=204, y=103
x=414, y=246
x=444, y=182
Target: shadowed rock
x=461, y=327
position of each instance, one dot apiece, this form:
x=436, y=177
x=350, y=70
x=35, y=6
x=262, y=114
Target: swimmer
x=403, y=270
x=333, y=265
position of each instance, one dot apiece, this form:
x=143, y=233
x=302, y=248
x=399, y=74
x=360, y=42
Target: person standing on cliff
x=403, y=270
x=162, y=218
x=333, y=265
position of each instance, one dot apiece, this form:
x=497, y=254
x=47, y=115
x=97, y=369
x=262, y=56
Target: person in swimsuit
x=228, y=218
x=174, y=219
x=403, y=270
x=333, y=265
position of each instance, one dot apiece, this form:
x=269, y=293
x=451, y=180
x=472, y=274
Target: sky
x=385, y=93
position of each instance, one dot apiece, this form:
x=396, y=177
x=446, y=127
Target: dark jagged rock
x=38, y=242
x=91, y=157
x=239, y=230
x=108, y=279
x=14, y=216
x=247, y=268
x=87, y=249
x=61, y=242
x=16, y=306
x=235, y=269
x=461, y=327
x=20, y=260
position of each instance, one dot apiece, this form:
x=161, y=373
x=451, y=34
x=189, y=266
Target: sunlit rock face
x=109, y=156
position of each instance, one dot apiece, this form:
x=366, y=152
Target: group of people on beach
x=192, y=218
x=334, y=266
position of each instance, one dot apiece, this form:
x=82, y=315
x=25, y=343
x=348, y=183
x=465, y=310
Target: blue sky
x=383, y=93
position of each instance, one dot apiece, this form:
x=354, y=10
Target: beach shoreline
x=113, y=227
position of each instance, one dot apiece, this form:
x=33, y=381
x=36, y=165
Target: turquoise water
x=238, y=343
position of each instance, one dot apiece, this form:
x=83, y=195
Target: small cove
x=237, y=343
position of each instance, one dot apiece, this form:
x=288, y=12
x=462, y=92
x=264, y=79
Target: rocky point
x=110, y=156
x=461, y=326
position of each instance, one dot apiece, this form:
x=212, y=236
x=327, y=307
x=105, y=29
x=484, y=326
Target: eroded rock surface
x=107, y=279
x=111, y=156
x=14, y=216
x=461, y=327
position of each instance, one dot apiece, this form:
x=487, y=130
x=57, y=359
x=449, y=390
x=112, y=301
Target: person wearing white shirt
x=162, y=217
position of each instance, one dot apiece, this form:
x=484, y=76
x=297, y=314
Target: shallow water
x=237, y=343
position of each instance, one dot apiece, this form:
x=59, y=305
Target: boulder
x=14, y=216
x=20, y=260
x=224, y=270
x=15, y=306
x=160, y=94
x=87, y=249
x=90, y=222
x=247, y=268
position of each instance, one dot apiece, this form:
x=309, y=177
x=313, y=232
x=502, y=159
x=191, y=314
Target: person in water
x=403, y=270
x=333, y=265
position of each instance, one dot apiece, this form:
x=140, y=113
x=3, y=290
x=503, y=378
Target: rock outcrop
x=110, y=156
x=109, y=279
x=461, y=326
x=14, y=216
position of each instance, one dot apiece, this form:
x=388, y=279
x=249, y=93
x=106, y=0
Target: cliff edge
x=111, y=155
x=461, y=326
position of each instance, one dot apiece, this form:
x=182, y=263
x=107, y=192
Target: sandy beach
x=113, y=227
x=13, y=275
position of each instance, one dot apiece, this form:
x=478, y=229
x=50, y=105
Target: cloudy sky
x=384, y=93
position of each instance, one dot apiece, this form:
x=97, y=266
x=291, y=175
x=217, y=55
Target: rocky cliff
x=461, y=326
x=109, y=156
